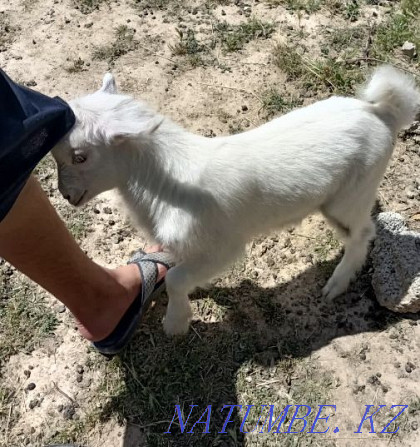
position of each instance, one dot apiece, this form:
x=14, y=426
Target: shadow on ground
x=257, y=329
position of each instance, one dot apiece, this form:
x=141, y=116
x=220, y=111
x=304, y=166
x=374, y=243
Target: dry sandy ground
x=302, y=351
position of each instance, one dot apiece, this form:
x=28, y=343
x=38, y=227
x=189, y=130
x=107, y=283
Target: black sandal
x=121, y=335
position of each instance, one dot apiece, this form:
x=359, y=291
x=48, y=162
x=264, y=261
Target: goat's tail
x=393, y=95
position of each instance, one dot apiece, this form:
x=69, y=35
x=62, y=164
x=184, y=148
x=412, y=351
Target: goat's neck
x=165, y=170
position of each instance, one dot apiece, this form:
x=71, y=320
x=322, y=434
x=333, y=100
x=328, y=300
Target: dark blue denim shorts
x=31, y=124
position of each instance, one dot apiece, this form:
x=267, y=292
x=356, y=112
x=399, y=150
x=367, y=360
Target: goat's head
x=89, y=157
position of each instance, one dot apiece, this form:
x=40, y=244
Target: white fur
x=203, y=198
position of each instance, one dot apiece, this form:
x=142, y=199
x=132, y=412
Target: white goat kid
x=203, y=199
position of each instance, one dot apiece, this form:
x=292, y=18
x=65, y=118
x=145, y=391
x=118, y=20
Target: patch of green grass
x=234, y=37
x=333, y=75
x=77, y=66
x=322, y=73
x=156, y=4
x=325, y=246
x=189, y=46
x=403, y=25
x=289, y=61
x=229, y=37
x=287, y=381
x=309, y=6
x=25, y=320
x=88, y=6
x=9, y=411
x=124, y=43
x=76, y=430
x=411, y=8
x=347, y=40
x=352, y=10
x=273, y=102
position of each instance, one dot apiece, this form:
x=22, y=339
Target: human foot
x=100, y=324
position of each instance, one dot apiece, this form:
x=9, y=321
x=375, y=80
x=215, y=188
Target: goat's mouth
x=79, y=202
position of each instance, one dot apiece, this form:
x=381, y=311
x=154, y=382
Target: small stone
x=244, y=108
x=414, y=425
x=358, y=388
x=397, y=365
x=270, y=261
x=31, y=83
x=79, y=378
x=31, y=386
x=69, y=412
x=385, y=389
x=60, y=408
x=374, y=380
x=60, y=308
x=27, y=373
x=107, y=210
x=409, y=367
x=362, y=356
x=223, y=12
x=80, y=369
x=33, y=403
x=410, y=194
x=409, y=49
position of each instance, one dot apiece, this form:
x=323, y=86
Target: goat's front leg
x=179, y=282
x=185, y=277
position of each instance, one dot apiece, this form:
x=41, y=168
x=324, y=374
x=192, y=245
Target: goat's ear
x=119, y=132
x=108, y=84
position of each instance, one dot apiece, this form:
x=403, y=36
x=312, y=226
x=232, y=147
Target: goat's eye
x=79, y=158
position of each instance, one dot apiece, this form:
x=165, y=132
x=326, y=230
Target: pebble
x=31, y=386
x=409, y=49
x=60, y=308
x=69, y=412
x=27, y=373
x=107, y=210
x=409, y=367
x=80, y=369
x=374, y=380
x=33, y=404
x=358, y=388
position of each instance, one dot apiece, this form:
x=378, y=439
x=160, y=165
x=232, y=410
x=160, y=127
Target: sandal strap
x=147, y=264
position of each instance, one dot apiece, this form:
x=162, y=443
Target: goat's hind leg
x=358, y=231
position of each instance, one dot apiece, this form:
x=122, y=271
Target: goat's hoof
x=332, y=290
x=176, y=326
